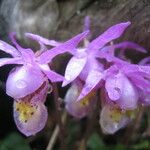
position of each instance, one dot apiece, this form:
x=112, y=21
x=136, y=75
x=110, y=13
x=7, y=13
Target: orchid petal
x=86, y=23
x=93, y=79
x=12, y=36
x=145, y=61
x=112, y=33
x=68, y=46
x=91, y=64
x=7, y=61
x=30, y=118
x=140, y=82
x=42, y=39
x=78, y=109
x=27, y=54
x=114, y=87
x=129, y=45
x=72, y=106
x=73, y=69
x=51, y=75
x=23, y=81
x=105, y=55
x=123, y=45
x=121, y=90
x=133, y=68
x=112, y=119
x=9, y=49
x=30, y=114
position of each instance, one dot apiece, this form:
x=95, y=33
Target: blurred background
x=60, y=20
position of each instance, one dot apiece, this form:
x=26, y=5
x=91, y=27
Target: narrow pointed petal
x=68, y=46
x=51, y=75
x=112, y=33
x=93, y=79
x=7, y=61
x=133, y=68
x=9, y=49
x=12, y=36
x=145, y=61
x=42, y=39
x=130, y=45
x=140, y=82
x=30, y=118
x=73, y=69
x=123, y=46
x=86, y=23
x=27, y=54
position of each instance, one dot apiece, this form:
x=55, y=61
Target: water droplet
x=116, y=125
x=117, y=90
x=21, y=84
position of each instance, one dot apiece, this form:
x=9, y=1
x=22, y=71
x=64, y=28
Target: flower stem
x=58, y=116
x=56, y=132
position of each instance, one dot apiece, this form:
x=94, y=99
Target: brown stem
x=55, y=133
x=58, y=116
x=90, y=125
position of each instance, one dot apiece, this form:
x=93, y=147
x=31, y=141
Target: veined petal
x=93, y=78
x=42, y=39
x=73, y=69
x=112, y=33
x=68, y=46
x=9, y=49
x=7, y=61
x=30, y=118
